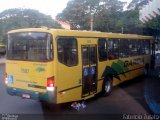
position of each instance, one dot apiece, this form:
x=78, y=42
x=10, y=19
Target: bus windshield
x=31, y=46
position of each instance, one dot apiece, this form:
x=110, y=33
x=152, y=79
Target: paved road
x=16, y=105
x=127, y=98
x=152, y=88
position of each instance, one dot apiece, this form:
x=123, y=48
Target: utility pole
x=91, y=21
x=122, y=30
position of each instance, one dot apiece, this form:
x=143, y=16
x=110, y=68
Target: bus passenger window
x=93, y=57
x=142, y=48
x=133, y=47
x=146, y=47
x=102, y=49
x=123, y=48
x=67, y=51
x=113, y=49
x=85, y=57
x=139, y=47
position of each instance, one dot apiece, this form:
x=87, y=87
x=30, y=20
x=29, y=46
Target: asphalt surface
x=16, y=105
x=151, y=91
x=133, y=97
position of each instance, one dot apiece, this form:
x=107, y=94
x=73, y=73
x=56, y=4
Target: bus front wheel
x=107, y=86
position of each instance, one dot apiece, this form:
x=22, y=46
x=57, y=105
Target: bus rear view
x=29, y=65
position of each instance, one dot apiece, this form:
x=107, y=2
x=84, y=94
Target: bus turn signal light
x=6, y=78
x=50, y=84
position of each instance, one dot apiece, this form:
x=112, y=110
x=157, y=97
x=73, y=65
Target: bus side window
x=113, y=49
x=124, y=48
x=133, y=46
x=67, y=51
x=85, y=56
x=146, y=47
x=143, y=48
x=102, y=49
x=138, y=47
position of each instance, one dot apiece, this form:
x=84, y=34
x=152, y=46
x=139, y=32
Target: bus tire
x=107, y=86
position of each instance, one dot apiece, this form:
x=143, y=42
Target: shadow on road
x=137, y=91
x=145, y=90
x=127, y=97
x=152, y=88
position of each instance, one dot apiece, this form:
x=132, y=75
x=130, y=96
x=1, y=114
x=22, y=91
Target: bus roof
x=81, y=33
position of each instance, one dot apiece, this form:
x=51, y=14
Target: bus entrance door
x=89, y=70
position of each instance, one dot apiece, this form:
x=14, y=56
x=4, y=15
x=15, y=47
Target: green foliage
x=23, y=18
x=154, y=23
x=78, y=13
x=131, y=22
x=108, y=16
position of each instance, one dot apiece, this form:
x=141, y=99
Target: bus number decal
x=88, y=41
x=23, y=70
x=40, y=69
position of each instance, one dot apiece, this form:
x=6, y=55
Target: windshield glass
x=32, y=46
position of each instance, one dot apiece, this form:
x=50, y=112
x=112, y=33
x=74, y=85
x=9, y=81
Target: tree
x=78, y=13
x=109, y=15
x=131, y=22
x=23, y=18
x=154, y=23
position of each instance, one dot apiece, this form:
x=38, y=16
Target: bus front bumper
x=47, y=96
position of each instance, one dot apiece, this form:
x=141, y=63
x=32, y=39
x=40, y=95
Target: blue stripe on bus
x=46, y=96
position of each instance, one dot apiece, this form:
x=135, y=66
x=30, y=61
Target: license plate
x=26, y=96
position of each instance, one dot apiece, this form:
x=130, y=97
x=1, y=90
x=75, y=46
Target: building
x=149, y=11
x=64, y=25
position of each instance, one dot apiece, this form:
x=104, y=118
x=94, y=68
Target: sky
x=49, y=7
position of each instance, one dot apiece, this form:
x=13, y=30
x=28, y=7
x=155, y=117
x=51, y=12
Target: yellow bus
x=59, y=66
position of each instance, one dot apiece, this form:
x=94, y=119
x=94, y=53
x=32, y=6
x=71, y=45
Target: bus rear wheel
x=107, y=86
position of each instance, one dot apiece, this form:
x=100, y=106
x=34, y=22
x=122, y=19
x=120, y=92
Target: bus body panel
x=69, y=79
x=29, y=77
